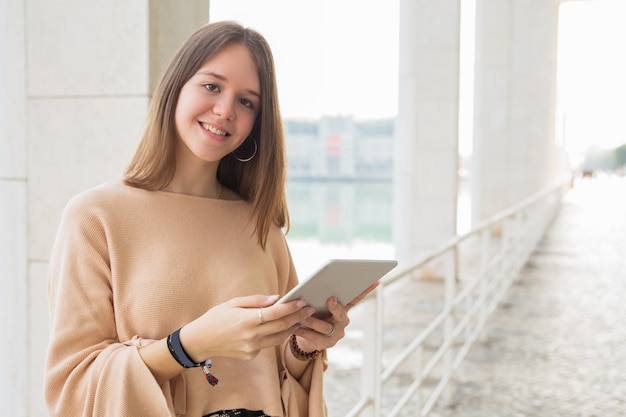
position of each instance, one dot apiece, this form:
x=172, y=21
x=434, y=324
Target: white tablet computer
x=341, y=278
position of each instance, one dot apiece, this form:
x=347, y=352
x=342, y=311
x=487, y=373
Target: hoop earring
x=256, y=148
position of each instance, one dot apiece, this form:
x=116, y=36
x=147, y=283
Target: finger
x=333, y=305
x=274, y=339
x=283, y=325
x=254, y=301
x=261, y=316
x=328, y=327
x=330, y=332
x=318, y=338
x=278, y=311
x=338, y=312
x=324, y=326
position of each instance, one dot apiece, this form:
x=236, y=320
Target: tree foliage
x=605, y=159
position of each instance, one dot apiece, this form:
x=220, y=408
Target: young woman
x=163, y=285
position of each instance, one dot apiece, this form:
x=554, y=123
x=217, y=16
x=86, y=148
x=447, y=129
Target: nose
x=224, y=107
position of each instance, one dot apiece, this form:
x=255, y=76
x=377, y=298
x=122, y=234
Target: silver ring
x=332, y=331
x=261, y=318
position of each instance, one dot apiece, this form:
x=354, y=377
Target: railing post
x=450, y=269
x=371, y=372
x=485, y=248
x=419, y=365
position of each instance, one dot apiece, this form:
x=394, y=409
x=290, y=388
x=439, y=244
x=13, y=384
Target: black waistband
x=237, y=413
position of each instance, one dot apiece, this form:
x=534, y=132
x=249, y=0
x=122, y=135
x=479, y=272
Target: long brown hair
x=260, y=181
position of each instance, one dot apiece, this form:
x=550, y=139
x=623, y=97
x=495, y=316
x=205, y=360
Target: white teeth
x=211, y=129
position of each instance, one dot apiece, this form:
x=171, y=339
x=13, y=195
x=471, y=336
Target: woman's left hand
x=318, y=334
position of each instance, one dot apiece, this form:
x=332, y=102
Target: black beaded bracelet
x=178, y=352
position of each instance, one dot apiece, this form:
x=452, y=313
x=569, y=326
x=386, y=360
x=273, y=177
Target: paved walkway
x=556, y=346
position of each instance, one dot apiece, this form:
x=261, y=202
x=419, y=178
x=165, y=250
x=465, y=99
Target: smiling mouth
x=214, y=130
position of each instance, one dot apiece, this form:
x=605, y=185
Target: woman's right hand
x=243, y=326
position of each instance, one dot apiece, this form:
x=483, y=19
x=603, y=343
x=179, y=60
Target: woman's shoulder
x=106, y=192
x=104, y=199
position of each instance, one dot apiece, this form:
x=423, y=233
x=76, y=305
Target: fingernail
x=301, y=303
x=272, y=298
x=311, y=311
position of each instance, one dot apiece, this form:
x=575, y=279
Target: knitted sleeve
x=89, y=371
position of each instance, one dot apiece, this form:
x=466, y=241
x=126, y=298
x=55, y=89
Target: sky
x=340, y=57
x=592, y=74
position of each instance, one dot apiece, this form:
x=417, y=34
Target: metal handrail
x=464, y=313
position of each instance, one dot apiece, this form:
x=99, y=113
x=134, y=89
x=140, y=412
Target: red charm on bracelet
x=210, y=378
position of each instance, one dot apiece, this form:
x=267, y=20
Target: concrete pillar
x=69, y=120
x=515, y=89
x=492, y=107
x=426, y=154
x=14, y=361
x=533, y=93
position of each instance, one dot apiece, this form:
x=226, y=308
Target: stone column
x=533, y=97
x=492, y=108
x=14, y=361
x=78, y=77
x=426, y=154
x=515, y=89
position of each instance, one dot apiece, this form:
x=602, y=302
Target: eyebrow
x=222, y=78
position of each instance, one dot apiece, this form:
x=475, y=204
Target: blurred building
x=340, y=148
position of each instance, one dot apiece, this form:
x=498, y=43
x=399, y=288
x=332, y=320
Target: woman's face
x=218, y=105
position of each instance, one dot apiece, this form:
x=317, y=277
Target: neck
x=208, y=189
x=198, y=182
x=194, y=176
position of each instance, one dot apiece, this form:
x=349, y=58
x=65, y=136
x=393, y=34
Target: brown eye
x=246, y=102
x=211, y=87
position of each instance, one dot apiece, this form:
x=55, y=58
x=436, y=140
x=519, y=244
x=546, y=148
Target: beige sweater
x=130, y=266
